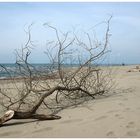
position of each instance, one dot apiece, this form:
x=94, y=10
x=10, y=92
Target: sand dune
x=115, y=115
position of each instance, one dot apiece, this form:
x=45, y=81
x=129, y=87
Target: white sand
x=117, y=115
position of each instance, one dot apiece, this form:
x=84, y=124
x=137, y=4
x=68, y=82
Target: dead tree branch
x=71, y=77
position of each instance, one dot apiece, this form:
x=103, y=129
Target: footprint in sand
x=138, y=108
x=121, y=104
x=112, y=111
x=72, y=121
x=119, y=116
x=43, y=129
x=125, y=99
x=100, y=118
x=130, y=125
x=138, y=129
x=127, y=109
x=110, y=134
x=7, y=134
x=131, y=133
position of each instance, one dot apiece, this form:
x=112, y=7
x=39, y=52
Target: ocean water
x=13, y=70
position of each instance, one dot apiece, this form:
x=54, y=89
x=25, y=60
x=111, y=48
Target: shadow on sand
x=17, y=123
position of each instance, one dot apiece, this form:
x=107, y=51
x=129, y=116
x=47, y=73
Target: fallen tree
x=71, y=78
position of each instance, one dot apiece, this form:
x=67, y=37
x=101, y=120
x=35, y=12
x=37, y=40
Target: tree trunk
x=25, y=115
x=29, y=115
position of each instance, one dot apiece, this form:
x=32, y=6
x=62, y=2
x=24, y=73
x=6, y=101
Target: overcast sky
x=15, y=17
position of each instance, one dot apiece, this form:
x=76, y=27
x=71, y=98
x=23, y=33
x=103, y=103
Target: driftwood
x=72, y=85
x=9, y=115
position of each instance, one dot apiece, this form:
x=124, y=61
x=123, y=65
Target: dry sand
x=117, y=115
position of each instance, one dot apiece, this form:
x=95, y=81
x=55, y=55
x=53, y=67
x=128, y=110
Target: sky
x=15, y=17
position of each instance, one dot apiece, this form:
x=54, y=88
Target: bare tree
x=71, y=77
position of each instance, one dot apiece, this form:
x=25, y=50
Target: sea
x=8, y=70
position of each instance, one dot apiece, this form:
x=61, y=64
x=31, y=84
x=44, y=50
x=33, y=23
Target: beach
x=114, y=115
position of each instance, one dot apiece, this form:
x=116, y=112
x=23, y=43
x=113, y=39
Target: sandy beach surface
x=116, y=115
